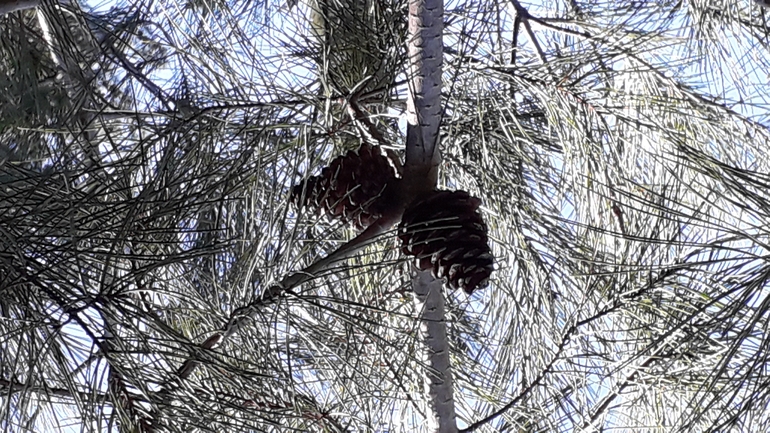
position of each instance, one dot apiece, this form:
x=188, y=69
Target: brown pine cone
x=351, y=187
x=448, y=236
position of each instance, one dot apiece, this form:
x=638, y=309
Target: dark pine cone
x=448, y=236
x=349, y=189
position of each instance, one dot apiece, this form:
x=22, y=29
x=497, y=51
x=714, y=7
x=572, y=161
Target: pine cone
x=448, y=236
x=351, y=187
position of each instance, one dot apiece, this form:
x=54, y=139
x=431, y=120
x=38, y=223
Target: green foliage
x=361, y=44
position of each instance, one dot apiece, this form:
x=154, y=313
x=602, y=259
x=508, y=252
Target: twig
x=523, y=16
x=367, y=129
x=524, y=392
x=625, y=384
x=9, y=386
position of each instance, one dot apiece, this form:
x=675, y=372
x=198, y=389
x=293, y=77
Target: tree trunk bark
x=424, y=103
x=429, y=300
x=421, y=176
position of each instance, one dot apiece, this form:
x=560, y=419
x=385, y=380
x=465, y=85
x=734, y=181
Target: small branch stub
x=448, y=236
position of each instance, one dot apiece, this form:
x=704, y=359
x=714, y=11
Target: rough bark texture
x=447, y=236
x=421, y=175
x=424, y=103
x=439, y=384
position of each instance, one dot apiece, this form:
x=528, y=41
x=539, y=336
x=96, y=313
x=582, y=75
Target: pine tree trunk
x=421, y=175
x=429, y=301
x=424, y=103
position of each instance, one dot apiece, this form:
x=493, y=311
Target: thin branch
x=522, y=16
x=524, y=392
x=10, y=386
x=364, y=125
x=604, y=405
x=694, y=97
x=241, y=316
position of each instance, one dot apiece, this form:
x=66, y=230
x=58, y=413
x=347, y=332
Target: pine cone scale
x=447, y=235
x=351, y=187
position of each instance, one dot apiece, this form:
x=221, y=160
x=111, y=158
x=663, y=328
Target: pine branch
x=285, y=287
x=10, y=387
